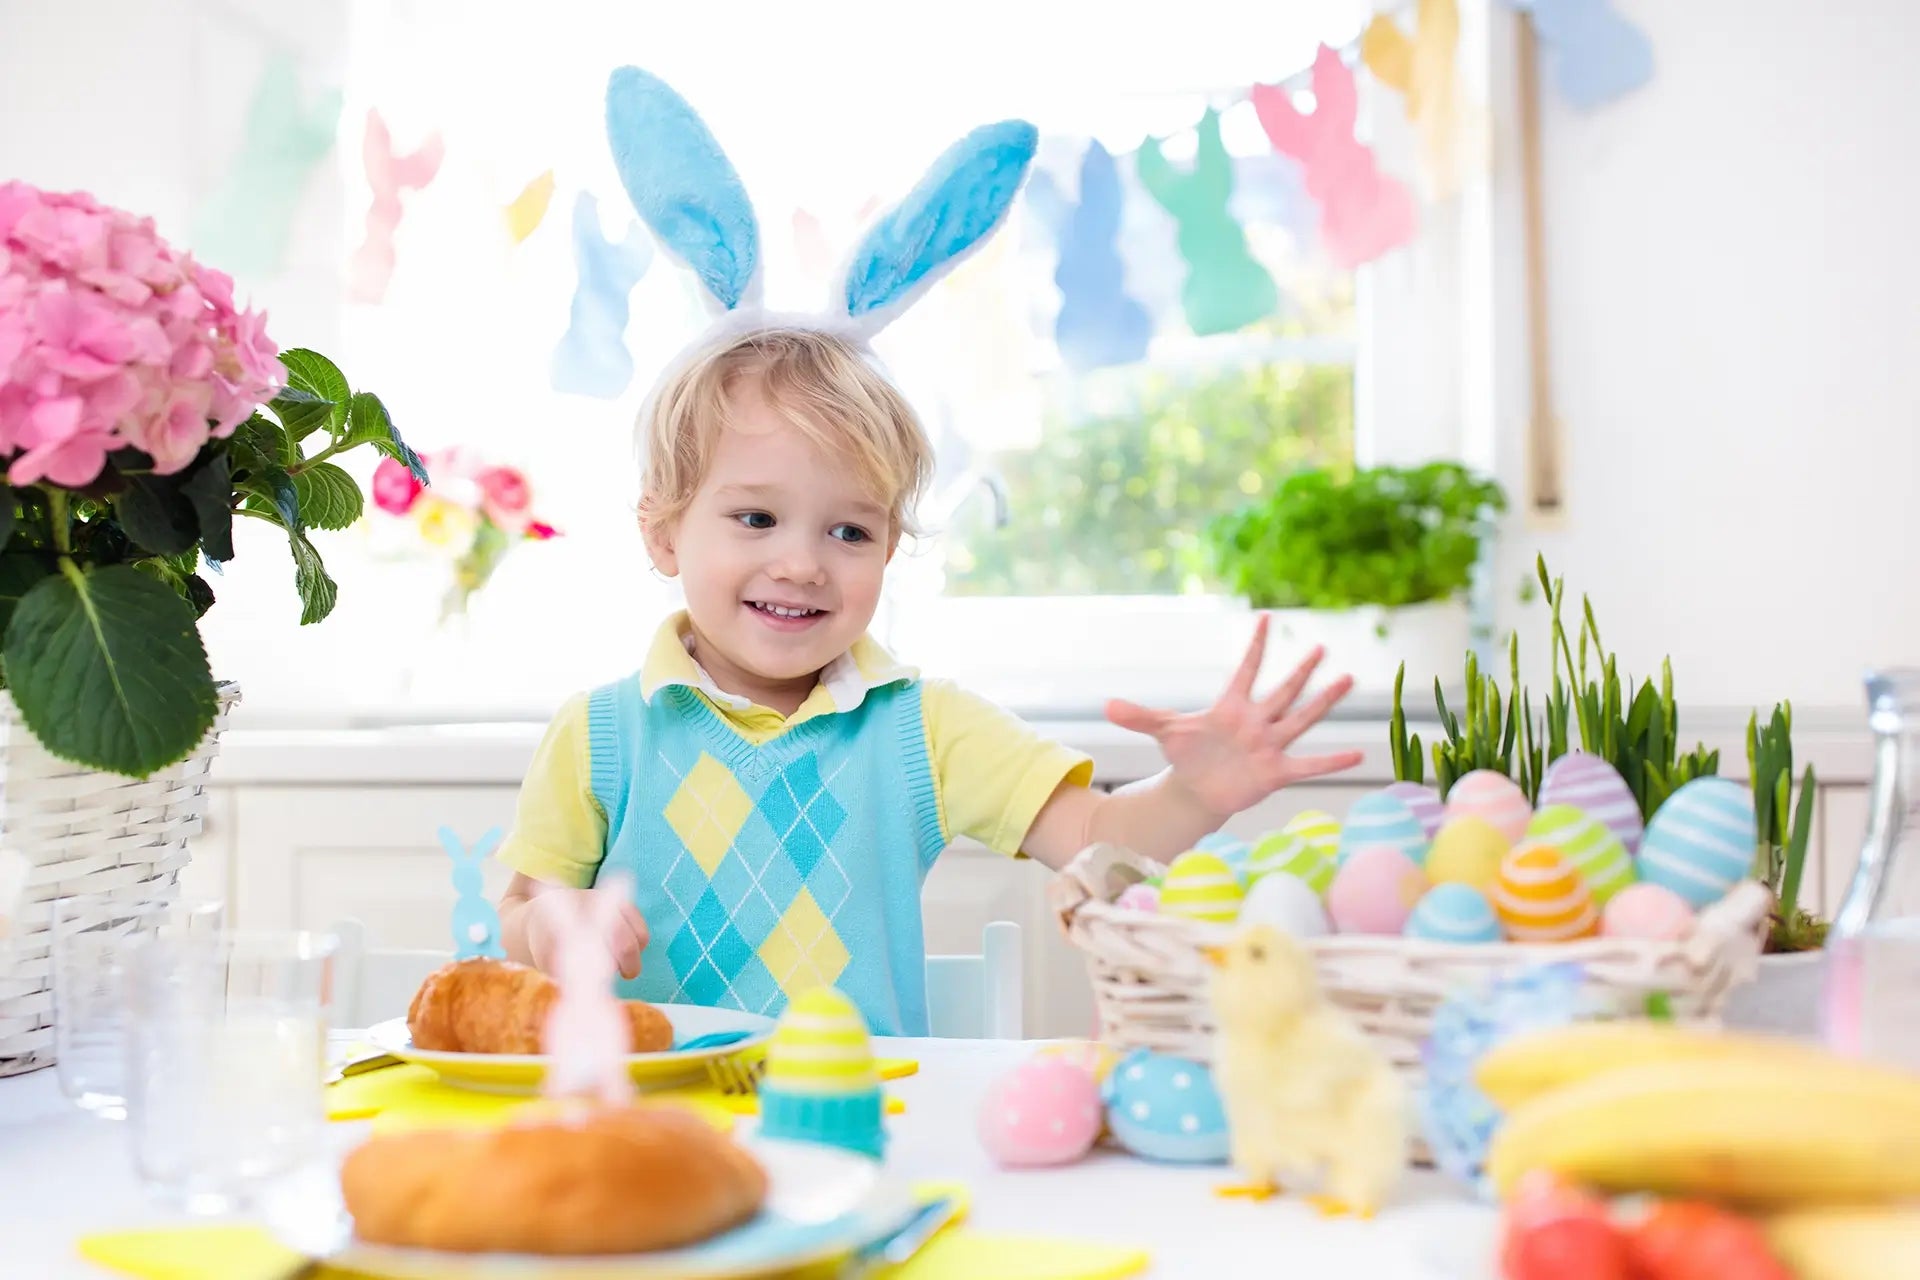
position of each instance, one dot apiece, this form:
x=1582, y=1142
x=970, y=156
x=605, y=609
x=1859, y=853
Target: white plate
x=821, y=1202
x=521, y=1073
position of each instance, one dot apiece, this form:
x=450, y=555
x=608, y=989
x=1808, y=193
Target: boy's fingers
x=1277, y=703
x=1309, y=715
x=1131, y=715
x=1302, y=767
x=629, y=940
x=1241, y=686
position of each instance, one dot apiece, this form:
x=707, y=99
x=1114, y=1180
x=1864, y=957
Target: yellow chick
x=1307, y=1096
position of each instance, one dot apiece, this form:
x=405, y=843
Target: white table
x=64, y=1174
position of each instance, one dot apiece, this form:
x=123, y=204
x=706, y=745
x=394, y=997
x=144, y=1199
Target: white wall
x=1734, y=264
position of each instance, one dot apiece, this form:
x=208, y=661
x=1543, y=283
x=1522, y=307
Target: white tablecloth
x=64, y=1173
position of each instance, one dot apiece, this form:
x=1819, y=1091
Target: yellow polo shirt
x=992, y=772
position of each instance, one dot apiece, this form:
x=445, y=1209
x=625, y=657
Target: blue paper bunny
x=476, y=925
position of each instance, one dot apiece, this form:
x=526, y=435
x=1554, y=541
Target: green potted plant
x=1373, y=562
x=142, y=413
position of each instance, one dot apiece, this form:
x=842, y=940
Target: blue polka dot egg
x=1165, y=1108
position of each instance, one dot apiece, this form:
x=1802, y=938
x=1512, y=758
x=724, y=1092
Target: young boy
x=775, y=782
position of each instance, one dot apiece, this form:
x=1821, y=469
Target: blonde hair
x=826, y=386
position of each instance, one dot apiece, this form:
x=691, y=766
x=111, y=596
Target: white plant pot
x=1782, y=999
x=1371, y=642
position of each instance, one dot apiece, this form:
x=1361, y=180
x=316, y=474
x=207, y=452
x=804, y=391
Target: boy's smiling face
x=781, y=554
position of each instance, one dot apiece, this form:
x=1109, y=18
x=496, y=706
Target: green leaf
x=369, y=423
x=319, y=395
x=329, y=498
x=108, y=670
x=318, y=592
x=20, y=571
x=157, y=516
x=9, y=514
x=270, y=490
x=210, y=492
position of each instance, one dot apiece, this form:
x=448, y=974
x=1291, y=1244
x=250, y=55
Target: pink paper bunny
x=388, y=175
x=587, y=1033
x=1363, y=213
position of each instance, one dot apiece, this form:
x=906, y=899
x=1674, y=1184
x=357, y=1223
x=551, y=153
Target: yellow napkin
x=957, y=1253
x=411, y=1096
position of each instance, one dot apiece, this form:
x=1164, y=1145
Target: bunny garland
x=476, y=925
x=689, y=195
x=389, y=175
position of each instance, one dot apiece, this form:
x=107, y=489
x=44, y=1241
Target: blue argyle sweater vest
x=763, y=871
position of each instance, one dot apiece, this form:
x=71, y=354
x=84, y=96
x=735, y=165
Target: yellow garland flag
x=1422, y=68
x=529, y=207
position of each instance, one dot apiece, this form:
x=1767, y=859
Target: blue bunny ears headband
x=687, y=192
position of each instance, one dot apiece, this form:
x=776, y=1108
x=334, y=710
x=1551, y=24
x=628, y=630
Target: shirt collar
x=846, y=680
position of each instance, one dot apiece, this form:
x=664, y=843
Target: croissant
x=497, y=1006
x=615, y=1180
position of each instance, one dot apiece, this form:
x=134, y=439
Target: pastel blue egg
x=1382, y=818
x=1701, y=841
x=1454, y=912
x=1229, y=849
x=1165, y=1108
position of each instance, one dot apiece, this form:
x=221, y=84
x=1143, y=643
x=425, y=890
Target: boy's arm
x=1221, y=761
x=558, y=839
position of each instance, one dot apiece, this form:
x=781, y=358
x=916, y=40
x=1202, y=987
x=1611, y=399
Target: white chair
x=968, y=997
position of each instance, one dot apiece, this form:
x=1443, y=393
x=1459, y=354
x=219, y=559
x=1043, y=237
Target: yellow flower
x=442, y=523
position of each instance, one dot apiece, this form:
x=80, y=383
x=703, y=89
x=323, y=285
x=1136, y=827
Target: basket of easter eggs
x=1416, y=896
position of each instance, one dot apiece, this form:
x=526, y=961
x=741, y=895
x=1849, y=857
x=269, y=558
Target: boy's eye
x=754, y=519
x=850, y=533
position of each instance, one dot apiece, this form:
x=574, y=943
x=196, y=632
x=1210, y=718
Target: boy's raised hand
x=1234, y=754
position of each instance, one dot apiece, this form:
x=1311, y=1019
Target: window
x=1090, y=581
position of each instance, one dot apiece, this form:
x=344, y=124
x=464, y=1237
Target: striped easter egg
x=1539, y=897
x=1454, y=912
x=1701, y=841
x=1320, y=829
x=1282, y=851
x=1594, y=787
x=820, y=1046
x=1201, y=886
x=1425, y=802
x=1493, y=798
x=1380, y=818
x=1232, y=850
x=1586, y=843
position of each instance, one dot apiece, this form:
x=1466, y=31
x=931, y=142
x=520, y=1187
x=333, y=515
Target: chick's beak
x=1215, y=956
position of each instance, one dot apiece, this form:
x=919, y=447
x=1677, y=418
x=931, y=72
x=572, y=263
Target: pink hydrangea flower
x=109, y=339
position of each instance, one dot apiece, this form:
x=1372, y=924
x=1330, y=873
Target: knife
x=900, y=1244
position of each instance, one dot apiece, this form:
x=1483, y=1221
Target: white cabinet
x=304, y=857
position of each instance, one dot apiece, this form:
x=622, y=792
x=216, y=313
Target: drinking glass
x=227, y=1055
x=90, y=934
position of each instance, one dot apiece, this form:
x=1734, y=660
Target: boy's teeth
x=780, y=611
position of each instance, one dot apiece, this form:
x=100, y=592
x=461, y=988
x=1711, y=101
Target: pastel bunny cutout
x=476, y=924
x=588, y=1033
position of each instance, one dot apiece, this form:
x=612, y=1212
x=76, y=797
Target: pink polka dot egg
x=1493, y=798
x=1046, y=1111
x=1375, y=891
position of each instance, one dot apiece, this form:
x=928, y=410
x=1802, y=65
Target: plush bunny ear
x=450, y=841
x=683, y=186
x=962, y=200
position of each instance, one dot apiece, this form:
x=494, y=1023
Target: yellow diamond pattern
x=707, y=811
x=803, y=951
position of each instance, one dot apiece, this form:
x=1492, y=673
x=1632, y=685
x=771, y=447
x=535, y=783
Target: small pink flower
x=216, y=286
x=505, y=496
x=540, y=531
x=395, y=489
x=174, y=438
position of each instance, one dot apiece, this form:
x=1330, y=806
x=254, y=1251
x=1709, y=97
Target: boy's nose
x=799, y=565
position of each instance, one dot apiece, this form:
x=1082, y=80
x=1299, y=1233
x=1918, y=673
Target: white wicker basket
x=1150, y=982
x=84, y=831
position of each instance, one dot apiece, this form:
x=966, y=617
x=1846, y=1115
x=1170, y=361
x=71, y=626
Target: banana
x=1749, y=1133
x=1847, y=1244
x=1536, y=1062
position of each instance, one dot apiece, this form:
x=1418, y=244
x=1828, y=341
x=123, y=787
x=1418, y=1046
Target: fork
x=737, y=1075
